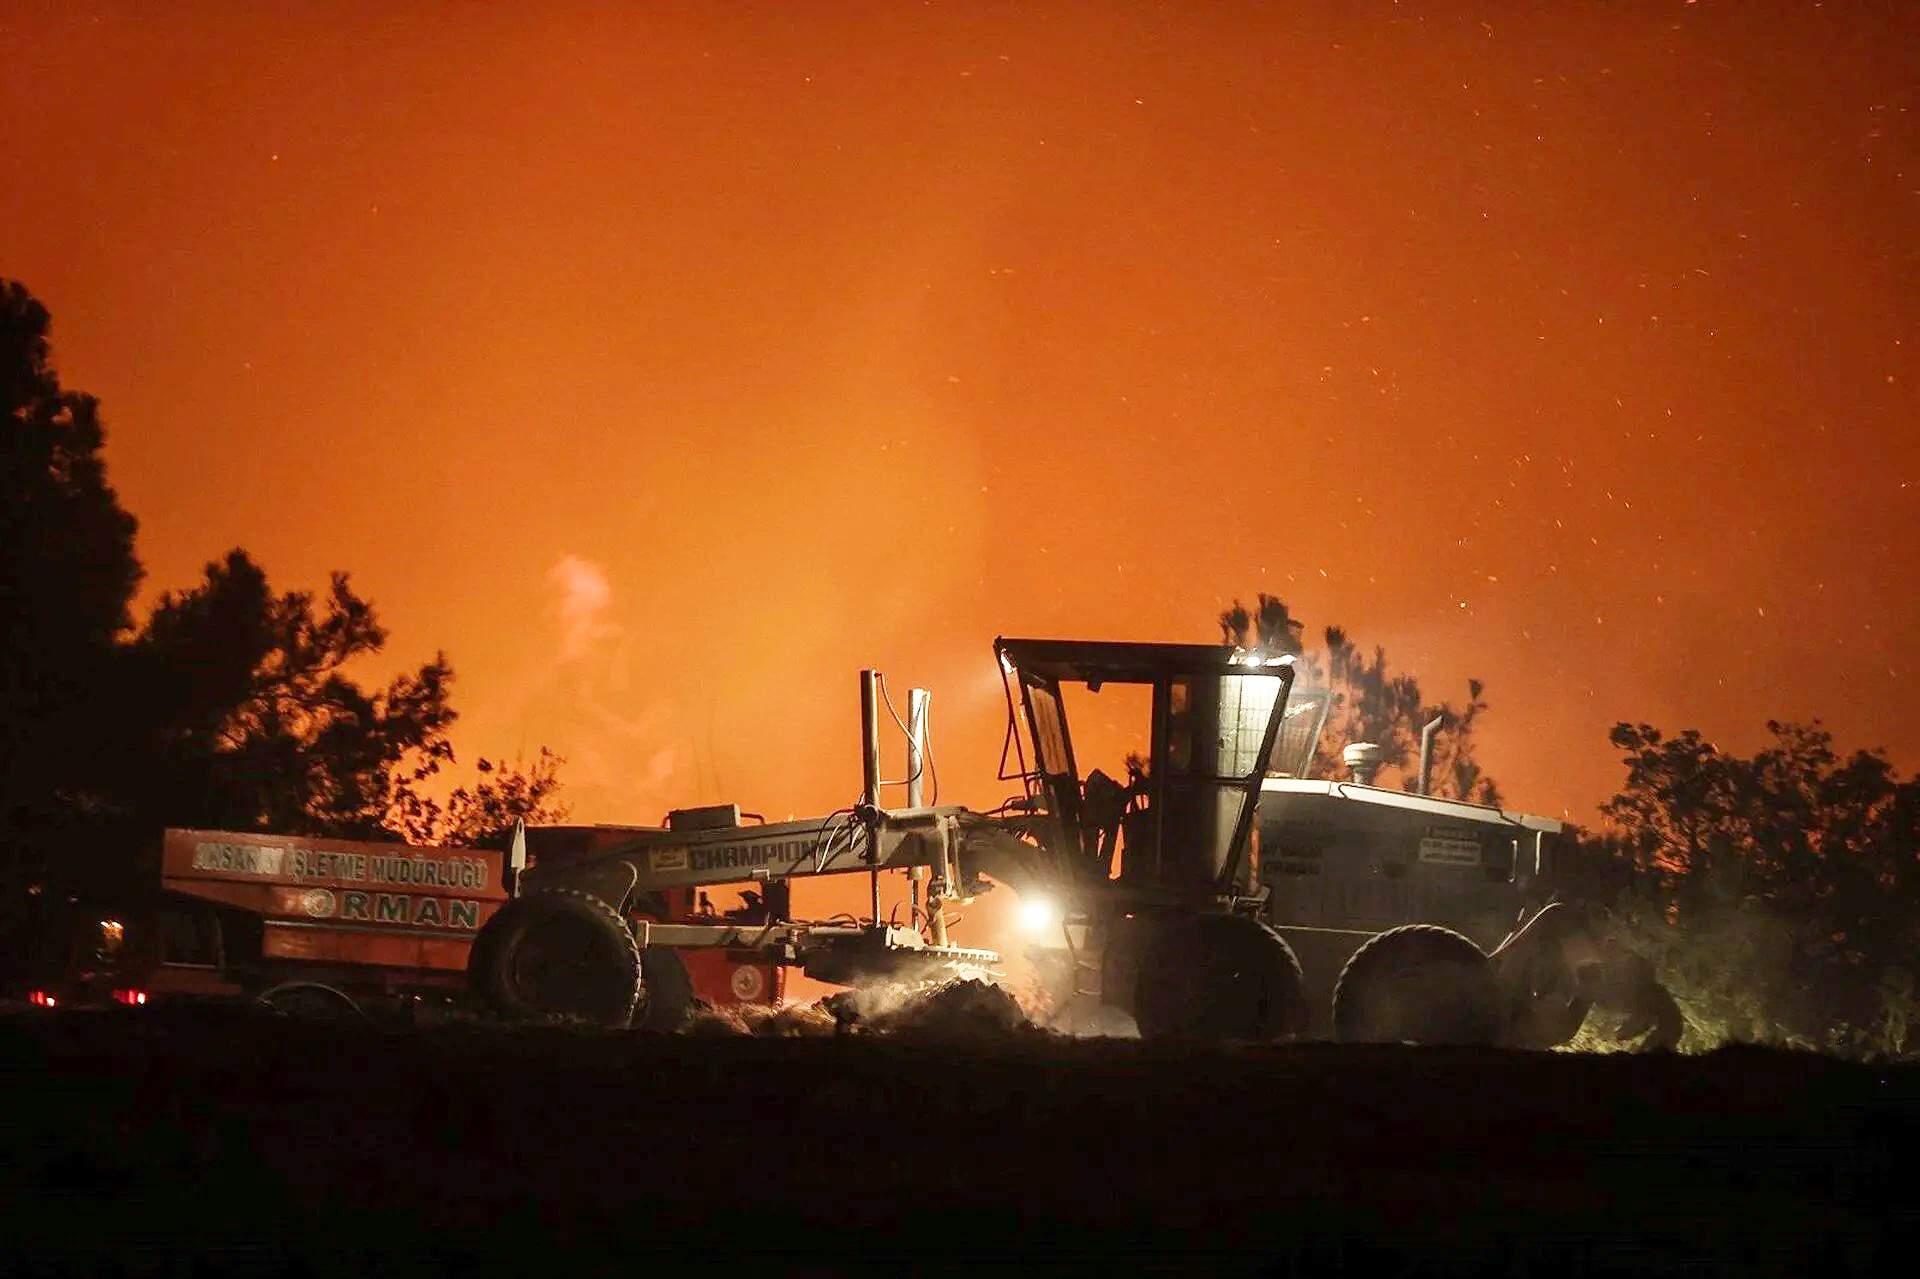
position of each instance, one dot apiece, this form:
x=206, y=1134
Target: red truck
x=309, y=925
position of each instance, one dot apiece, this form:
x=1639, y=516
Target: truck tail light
x=131, y=998
x=42, y=999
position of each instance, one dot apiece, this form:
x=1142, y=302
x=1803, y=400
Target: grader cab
x=1148, y=890
x=1181, y=823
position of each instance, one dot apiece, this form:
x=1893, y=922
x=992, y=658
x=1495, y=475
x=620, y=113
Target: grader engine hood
x=1345, y=856
x=1402, y=826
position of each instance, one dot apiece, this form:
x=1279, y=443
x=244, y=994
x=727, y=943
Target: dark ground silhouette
x=242, y=1143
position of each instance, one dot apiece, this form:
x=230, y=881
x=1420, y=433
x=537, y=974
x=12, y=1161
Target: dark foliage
x=67, y=576
x=1778, y=892
x=483, y=814
x=234, y=707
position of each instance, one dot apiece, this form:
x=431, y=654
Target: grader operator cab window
x=1112, y=748
x=1244, y=705
x=1049, y=730
x=1185, y=813
x=1300, y=730
x=1180, y=727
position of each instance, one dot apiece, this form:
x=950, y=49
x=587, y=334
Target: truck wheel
x=311, y=1001
x=1219, y=977
x=1416, y=984
x=558, y=955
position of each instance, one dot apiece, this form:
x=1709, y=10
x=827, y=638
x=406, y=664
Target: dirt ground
x=194, y=1142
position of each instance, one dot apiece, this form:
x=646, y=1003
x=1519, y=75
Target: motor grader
x=1218, y=893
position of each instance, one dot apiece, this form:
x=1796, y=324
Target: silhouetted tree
x=232, y=707
x=1269, y=627
x=1778, y=890
x=1370, y=704
x=67, y=576
x=251, y=722
x=1456, y=770
x=483, y=815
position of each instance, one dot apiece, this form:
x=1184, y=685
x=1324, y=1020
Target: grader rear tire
x=1418, y=984
x=1219, y=977
x=559, y=955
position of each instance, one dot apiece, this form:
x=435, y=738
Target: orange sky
x=667, y=364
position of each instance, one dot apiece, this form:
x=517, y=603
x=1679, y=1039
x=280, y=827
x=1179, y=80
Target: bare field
x=201, y=1142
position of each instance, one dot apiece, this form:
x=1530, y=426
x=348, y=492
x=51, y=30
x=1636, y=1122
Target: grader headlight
x=1038, y=915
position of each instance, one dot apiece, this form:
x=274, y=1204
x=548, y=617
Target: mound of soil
x=956, y=1009
x=770, y=1021
x=149, y=1141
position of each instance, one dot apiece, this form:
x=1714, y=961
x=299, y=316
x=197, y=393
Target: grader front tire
x=1219, y=977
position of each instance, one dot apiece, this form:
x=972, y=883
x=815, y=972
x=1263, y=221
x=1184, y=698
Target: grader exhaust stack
x=921, y=899
x=870, y=773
